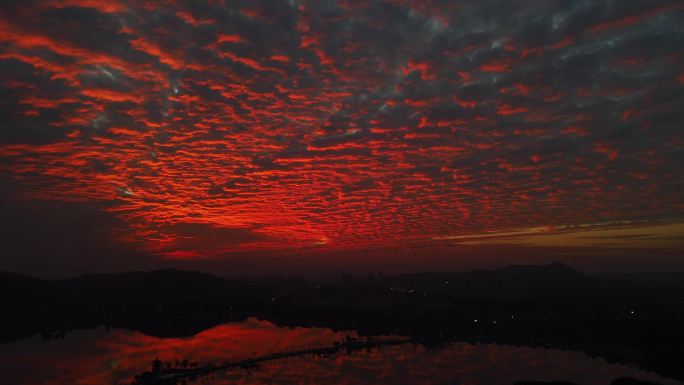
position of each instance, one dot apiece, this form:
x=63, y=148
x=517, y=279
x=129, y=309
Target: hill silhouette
x=554, y=279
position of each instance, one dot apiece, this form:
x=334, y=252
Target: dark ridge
x=544, y=383
x=16, y=287
x=551, y=268
x=7, y=277
x=632, y=381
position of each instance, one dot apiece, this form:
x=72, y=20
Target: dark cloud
x=57, y=238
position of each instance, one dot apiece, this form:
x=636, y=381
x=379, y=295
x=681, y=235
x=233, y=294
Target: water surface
x=115, y=356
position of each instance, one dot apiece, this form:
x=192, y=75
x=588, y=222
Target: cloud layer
x=323, y=127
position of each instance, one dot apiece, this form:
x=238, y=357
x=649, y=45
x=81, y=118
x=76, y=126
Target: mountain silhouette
x=157, y=285
x=554, y=279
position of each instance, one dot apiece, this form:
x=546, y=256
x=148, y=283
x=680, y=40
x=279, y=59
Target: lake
x=115, y=356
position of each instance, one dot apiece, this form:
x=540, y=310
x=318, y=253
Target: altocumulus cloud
x=205, y=129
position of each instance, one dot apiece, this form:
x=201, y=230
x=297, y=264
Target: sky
x=397, y=135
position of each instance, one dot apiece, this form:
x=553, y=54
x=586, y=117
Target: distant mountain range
x=554, y=279
x=527, y=281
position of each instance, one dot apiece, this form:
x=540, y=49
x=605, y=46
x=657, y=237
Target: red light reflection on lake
x=116, y=356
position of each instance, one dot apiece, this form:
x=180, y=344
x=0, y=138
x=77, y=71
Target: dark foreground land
x=632, y=319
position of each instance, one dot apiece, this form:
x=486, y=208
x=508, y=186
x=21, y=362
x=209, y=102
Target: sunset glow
x=339, y=130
